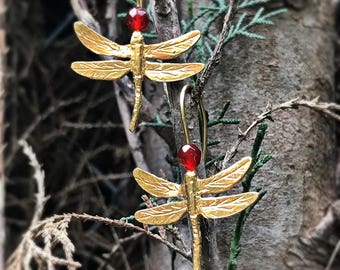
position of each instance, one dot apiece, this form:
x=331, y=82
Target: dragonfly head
x=137, y=38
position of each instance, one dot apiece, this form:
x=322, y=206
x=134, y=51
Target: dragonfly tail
x=137, y=106
x=197, y=242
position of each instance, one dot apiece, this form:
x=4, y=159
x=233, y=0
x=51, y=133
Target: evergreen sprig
x=258, y=162
x=242, y=28
x=221, y=119
x=250, y=3
x=208, y=14
x=158, y=123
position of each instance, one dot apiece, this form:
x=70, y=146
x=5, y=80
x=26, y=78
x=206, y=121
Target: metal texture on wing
x=102, y=70
x=170, y=72
x=225, y=179
x=163, y=214
x=157, y=186
x=172, y=48
x=99, y=44
x=225, y=206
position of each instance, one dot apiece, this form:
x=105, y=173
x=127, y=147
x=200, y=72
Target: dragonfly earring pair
x=188, y=195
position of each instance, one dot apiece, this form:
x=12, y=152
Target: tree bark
x=296, y=59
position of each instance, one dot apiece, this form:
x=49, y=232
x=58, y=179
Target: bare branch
x=333, y=256
x=96, y=125
x=82, y=12
x=129, y=226
x=215, y=58
x=40, y=118
x=329, y=109
x=39, y=177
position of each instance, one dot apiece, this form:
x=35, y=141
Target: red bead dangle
x=189, y=156
x=137, y=19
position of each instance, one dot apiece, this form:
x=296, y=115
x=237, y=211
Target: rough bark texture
x=295, y=60
x=3, y=51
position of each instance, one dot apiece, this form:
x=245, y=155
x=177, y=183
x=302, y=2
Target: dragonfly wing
x=170, y=72
x=172, y=48
x=102, y=70
x=163, y=214
x=225, y=179
x=99, y=44
x=157, y=186
x=225, y=206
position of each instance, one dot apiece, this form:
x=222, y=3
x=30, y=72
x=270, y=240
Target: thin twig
x=39, y=177
x=82, y=12
x=326, y=108
x=90, y=125
x=107, y=221
x=129, y=226
x=333, y=256
x=92, y=180
x=215, y=58
x=35, y=123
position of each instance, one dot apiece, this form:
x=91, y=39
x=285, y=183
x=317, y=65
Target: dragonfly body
x=138, y=65
x=138, y=70
x=193, y=203
x=193, y=196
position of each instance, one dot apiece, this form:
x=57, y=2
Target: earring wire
x=185, y=123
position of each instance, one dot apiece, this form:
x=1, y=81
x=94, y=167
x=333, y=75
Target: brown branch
x=82, y=12
x=98, y=125
x=119, y=224
x=55, y=228
x=333, y=256
x=215, y=58
x=167, y=26
x=88, y=181
x=326, y=108
x=39, y=176
x=3, y=52
x=36, y=122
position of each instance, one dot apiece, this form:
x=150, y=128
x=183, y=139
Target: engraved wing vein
x=157, y=186
x=102, y=70
x=172, y=48
x=219, y=207
x=169, y=72
x=225, y=179
x=99, y=44
x=163, y=214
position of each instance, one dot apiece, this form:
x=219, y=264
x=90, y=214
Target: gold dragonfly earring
x=138, y=52
x=191, y=191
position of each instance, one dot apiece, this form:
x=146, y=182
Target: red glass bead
x=137, y=19
x=189, y=156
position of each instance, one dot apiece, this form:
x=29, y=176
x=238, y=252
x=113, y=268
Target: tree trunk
x=296, y=60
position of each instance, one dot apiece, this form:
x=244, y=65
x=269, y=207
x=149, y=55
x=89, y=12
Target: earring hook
x=185, y=123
